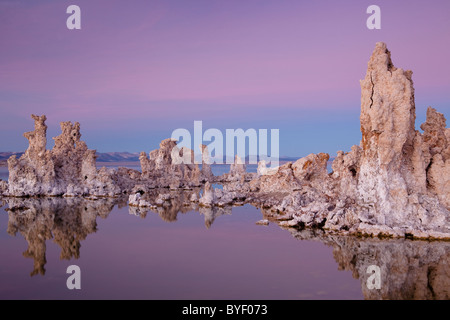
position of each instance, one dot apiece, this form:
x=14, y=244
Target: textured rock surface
x=393, y=182
x=238, y=174
x=68, y=169
x=169, y=203
x=396, y=182
x=172, y=167
x=387, y=175
x=237, y=169
x=206, y=171
x=292, y=176
x=436, y=144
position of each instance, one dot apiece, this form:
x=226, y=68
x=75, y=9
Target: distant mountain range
x=101, y=157
x=118, y=156
x=5, y=155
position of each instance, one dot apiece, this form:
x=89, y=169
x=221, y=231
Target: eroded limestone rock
x=3, y=187
x=436, y=141
x=237, y=175
x=207, y=174
x=68, y=169
x=396, y=182
x=393, y=184
x=170, y=166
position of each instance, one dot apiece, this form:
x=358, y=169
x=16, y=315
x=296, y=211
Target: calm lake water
x=4, y=173
x=185, y=252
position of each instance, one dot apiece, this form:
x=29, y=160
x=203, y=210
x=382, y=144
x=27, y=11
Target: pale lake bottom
x=201, y=254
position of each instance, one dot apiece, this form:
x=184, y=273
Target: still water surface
x=181, y=251
x=160, y=257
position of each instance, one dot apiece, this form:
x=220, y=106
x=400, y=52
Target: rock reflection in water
x=66, y=220
x=409, y=269
x=169, y=203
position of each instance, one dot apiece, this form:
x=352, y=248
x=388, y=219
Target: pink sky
x=138, y=70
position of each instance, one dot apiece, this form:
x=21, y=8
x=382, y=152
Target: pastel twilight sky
x=137, y=70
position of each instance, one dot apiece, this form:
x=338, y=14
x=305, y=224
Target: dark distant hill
x=5, y=155
x=117, y=157
x=101, y=157
x=120, y=156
